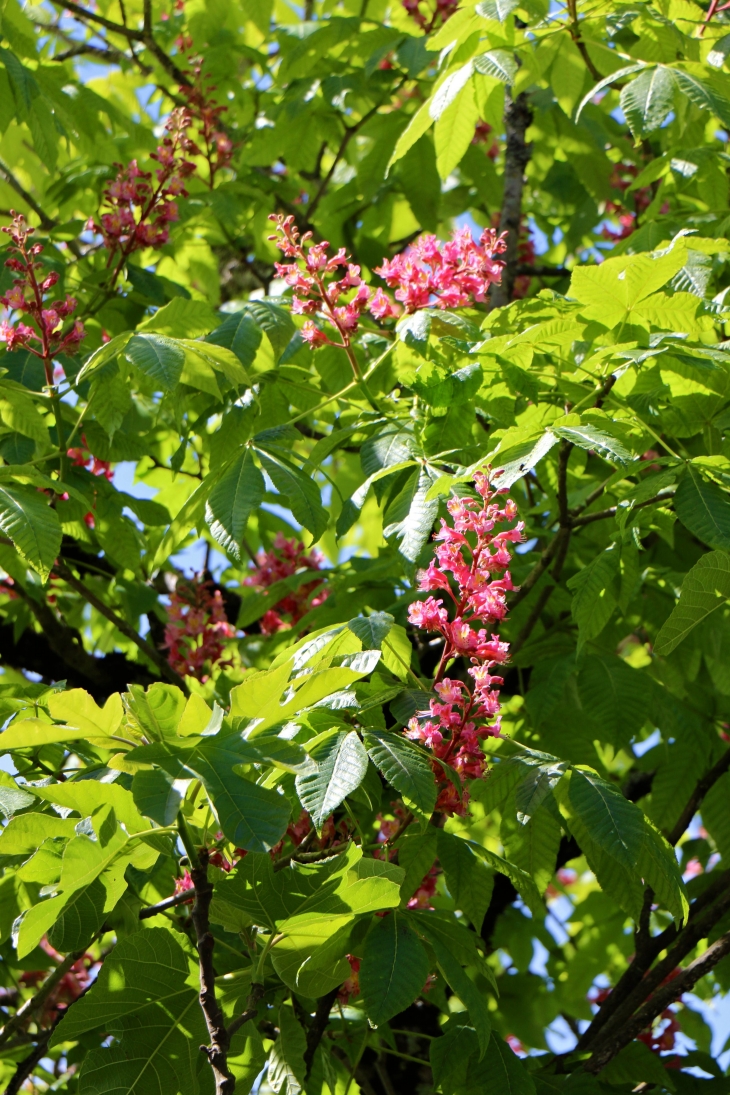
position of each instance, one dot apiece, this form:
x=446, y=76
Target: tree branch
x=26, y=1012
x=155, y=656
x=252, y=1005
x=25, y=1067
x=217, y=1050
x=639, y=980
x=702, y=786
x=168, y=903
x=517, y=119
x=47, y=223
x=660, y=1000
x=575, y=34
x=601, y=515
x=350, y=132
x=318, y=1027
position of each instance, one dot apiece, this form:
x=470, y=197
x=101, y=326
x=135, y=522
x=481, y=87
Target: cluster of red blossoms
x=443, y=10
x=197, y=628
x=202, y=111
x=140, y=210
x=448, y=275
x=465, y=713
x=287, y=557
x=429, y=273
x=72, y=985
x=82, y=458
x=49, y=335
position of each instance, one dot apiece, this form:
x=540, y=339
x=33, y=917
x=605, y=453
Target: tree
x=409, y=633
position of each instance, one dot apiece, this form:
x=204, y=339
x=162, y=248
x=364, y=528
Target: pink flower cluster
x=284, y=559
x=319, y=290
x=82, y=458
x=430, y=273
x=197, y=628
x=477, y=559
x=141, y=210
x=443, y=10
x=448, y=275
x=48, y=335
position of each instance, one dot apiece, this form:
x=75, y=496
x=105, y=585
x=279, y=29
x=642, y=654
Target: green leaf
x=274, y=320
x=453, y=135
x=469, y=881
x=497, y=9
x=595, y=594
x=703, y=508
x=240, y=333
x=286, y=1063
x=147, y=998
x=416, y=855
x=507, y=1073
x=233, y=499
x=160, y=358
x=341, y=765
x=706, y=588
x=612, y=822
x=301, y=493
x=394, y=968
x=410, y=516
x=589, y=437
x=647, y=100
x=499, y=63
x=79, y=920
x=155, y=796
x=404, y=765
x=467, y=992
x=32, y=525
x=371, y=630
x=614, y=696
x=701, y=93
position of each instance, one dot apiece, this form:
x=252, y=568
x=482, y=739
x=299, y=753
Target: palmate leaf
x=32, y=525
x=251, y=816
x=705, y=589
x=394, y=968
x=233, y=499
x=146, y=997
x=410, y=516
x=590, y=437
x=341, y=766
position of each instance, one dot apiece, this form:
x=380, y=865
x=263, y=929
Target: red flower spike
x=197, y=628
x=286, y=558
x=44, y=336
x=473, y=556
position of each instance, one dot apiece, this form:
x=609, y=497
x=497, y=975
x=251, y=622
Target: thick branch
x=318, y=1027
x=517, y=119
x=639, y=981
x=660, y=1000
x=34, y=651
x=155, y=656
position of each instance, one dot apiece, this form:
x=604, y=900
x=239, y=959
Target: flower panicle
x=471, y=570
x=430, y=273
x=285, y=558
x=140, y=205
x=47, y=333
x=197, y=628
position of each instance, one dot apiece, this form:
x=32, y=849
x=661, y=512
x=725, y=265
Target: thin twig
x=702, y=786
x=168, y=903
x=47, y=223
x=318, y=1027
